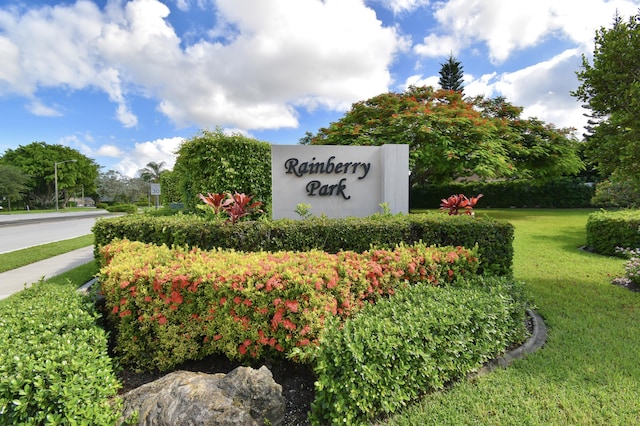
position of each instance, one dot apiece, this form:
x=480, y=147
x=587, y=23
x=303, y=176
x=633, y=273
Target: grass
x=587, y=373
x=18, y=258
x=79, y=275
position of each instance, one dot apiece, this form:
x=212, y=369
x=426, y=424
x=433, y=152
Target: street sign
x=155, y=189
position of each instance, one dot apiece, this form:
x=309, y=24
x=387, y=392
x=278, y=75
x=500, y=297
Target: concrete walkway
x=18, y=279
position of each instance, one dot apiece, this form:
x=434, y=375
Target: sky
x=125, y=82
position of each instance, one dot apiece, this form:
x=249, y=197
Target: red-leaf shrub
x=172, y=305
x=235, y=205
x=455, y=203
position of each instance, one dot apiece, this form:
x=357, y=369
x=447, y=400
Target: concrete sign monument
x=339, y=181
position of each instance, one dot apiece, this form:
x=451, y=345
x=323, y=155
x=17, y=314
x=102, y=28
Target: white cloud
x=401, y=6
x=157, y=151
x=282, y=55
x=38, y=108
x=508, y=26
x=109, y=151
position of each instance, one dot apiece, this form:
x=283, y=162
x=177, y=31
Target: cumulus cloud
x=401, y=6
x=282, y=56
x=509, y=26
x=38, y=108
x=157, y=151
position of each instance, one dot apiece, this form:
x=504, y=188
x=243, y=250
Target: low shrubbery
x=54, y=367
x=608, y=231
x=172, y=305
x=494, y=238
x=122, y=208
x=558, y=193
x=415, y=342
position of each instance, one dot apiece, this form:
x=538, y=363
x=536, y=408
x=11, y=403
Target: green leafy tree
x=447, y=137
x=170, y=182
x=215, y=162
x=13, y=183
x=451, y=75
x=537, y=150
x=610, y=88
x=115, y=187
x=37, y=160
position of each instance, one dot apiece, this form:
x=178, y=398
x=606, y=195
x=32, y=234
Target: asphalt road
x=28, y=230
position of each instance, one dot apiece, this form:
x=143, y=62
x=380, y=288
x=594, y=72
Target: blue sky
x=124, y=82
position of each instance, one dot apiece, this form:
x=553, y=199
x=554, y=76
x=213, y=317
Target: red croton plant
x=459, y=204
x=235, y=205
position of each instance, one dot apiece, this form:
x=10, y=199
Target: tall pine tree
x=451, y=75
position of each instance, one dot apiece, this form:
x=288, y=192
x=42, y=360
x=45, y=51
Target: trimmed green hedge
x=607, y=231
x=415, y=342
x=494, y=238
x=54, y=366
x=560, y=193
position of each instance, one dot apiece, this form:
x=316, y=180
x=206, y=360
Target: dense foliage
x=557, y=193
x=608, y=231
x=450, y=136
x=610, y=88
x=494, y=238
x=38, y=159
x=13, y=184
x=54, y=367
x=415, y=342
x=172, y=305
x=451, y=75
x=215, y=162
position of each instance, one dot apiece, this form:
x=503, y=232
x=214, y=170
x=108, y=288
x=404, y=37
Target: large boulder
x=245, y=396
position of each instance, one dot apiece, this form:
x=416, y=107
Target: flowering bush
x=631, y=267
x=455, y=203
x=171, y=305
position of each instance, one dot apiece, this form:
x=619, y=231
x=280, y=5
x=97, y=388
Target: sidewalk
x=17, y=279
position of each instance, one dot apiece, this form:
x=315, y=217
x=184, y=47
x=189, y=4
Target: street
x=23, y=231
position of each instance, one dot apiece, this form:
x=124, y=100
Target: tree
x=13, y=183
x=37, y=160
x=610, y=88
x=152, y=172
x=215, y=162
x=116, y=187
x=451, y=75
x=450, y=137
x=447, y=137
x=536, y=149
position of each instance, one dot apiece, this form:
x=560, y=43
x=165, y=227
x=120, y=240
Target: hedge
x=415, y=342
x=493, y=238
x=608, y=230
x=560, y=193
x=54, y=366
x=172, y=305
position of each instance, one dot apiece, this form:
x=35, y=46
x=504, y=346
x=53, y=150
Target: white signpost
x=339, y=181
x=155, y=190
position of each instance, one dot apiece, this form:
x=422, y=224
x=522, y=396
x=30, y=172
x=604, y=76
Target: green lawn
x=18, y=258
x=587, y=373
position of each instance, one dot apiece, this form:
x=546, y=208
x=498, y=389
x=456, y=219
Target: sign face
x=155, y=189
x=339, y=181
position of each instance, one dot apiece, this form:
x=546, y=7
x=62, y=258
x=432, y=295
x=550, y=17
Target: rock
x=245, y=396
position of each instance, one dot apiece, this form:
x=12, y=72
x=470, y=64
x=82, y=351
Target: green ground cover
x=587, y=372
